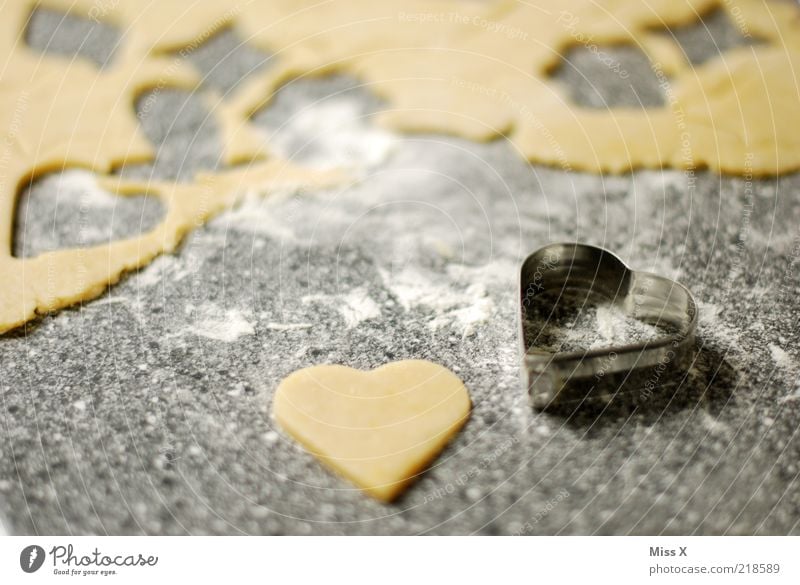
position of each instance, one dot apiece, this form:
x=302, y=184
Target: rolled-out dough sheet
x=474, y=69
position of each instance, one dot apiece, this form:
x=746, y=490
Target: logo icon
x=31, y=558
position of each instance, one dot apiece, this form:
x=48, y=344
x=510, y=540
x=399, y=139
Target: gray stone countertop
x=147, y=411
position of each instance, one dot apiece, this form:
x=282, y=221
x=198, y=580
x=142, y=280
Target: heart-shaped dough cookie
x=379, y=429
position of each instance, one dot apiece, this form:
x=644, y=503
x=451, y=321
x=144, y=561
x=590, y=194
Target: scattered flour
x=358, y=307
x=107, y=300
x=337, y=135
x=661, y=180
x=614, y=324
x=792, y=396
x=502, y=272
x=157, y=270
x=81, y=187
x=412, y=288
x=782, y=359
x=470, y=317
x=288, y=326
x=257, y=215
x=222, y=325
x=786, y=364
x=713, y=424
x=712, y=325
x=588, y=327
x=355, y=306
x=454, y=305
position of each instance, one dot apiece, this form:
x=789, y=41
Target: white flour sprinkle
x=355, y=306
x=786, y=364
x=613, y=325
x=502, y=272
x=288, y=326
x=221, y=325
x=81, y=187
x=157, y=270
x=339, y=135
x=782, y=359
x=454, y=305
x=257, y=215
x=478, y=309
x=589, y=327
x=358, y=307
x=107, y=300
x=712, y=325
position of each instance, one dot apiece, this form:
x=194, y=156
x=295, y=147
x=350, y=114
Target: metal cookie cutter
x=586, y=273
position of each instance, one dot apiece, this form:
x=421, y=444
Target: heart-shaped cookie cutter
x=557, y=269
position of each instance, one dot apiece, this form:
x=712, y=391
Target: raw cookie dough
x=474, y=69
x=379, y=429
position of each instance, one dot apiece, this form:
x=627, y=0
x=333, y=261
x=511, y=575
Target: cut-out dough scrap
x=61, y=278
x=379, y=429
x=473, y=69
x=481, y=69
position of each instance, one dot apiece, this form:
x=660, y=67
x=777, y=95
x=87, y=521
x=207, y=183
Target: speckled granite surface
x=147, y=411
